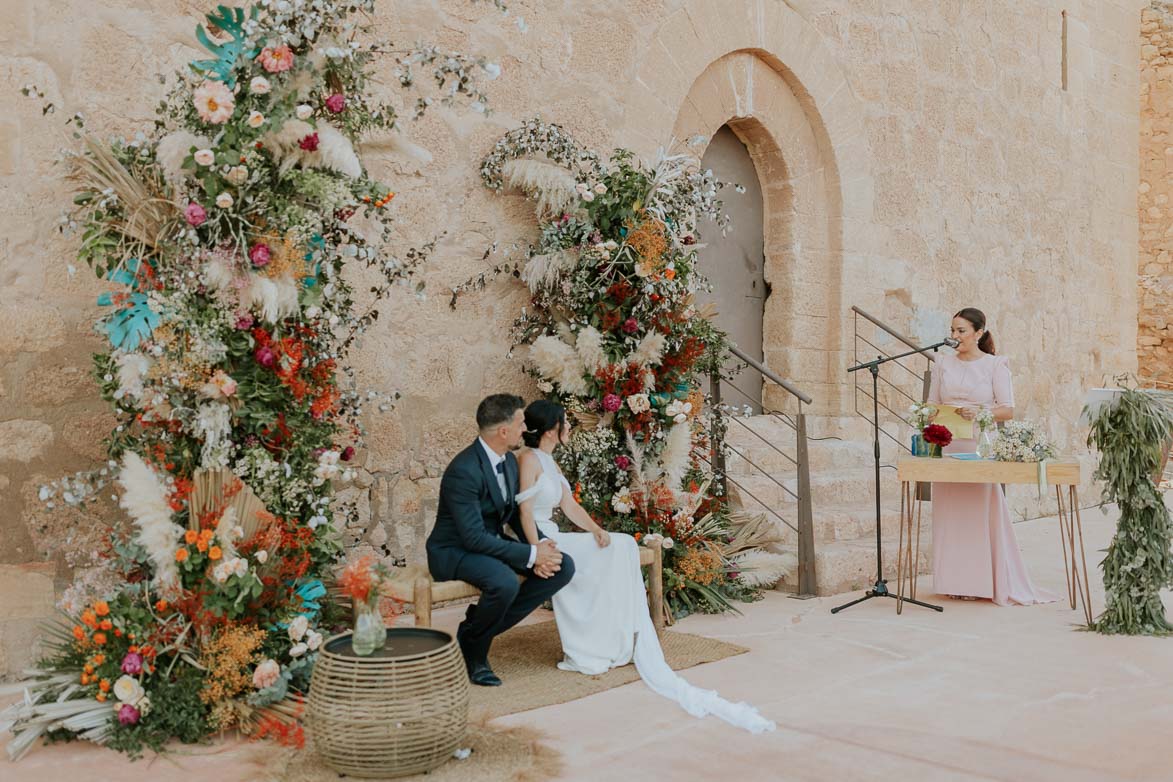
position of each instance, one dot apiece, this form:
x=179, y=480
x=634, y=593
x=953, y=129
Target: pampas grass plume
x=551, y=186
x=144, y=498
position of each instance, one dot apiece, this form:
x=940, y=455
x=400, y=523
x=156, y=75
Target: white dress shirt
x=495, y=459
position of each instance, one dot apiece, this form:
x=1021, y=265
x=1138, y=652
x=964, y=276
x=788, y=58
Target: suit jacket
x=472, y=515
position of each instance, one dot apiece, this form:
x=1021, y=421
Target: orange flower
x=101, y=608
x=88, y=619
x=190, y=536
x=202, y=546
x=85, y=679
x=214, y=553
x=670, y=273
x=104, y=685
x=88, y=668
x=181, y=555
x=161, y=606
x=99, y=659
x=132, y=648
x=106, y=624
x=118, y=633
x=99, y=638
x=206, y=534
x=101, y=697
x=637, y=536
x=78, y=632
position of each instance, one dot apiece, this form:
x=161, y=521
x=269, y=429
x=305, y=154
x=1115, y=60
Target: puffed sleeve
x=1003, y=387
x=935, y=382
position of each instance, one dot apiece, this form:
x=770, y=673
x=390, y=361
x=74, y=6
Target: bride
x=602, y=614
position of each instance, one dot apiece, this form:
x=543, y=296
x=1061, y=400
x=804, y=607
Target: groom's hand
x=549, y=559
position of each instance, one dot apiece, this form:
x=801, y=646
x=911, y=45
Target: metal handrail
x=805, y=526
x=885, y=327
x=769, y=375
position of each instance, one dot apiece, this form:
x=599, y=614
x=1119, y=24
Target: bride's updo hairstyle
x=540, y=417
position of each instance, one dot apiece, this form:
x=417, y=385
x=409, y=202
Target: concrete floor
x=975, y=693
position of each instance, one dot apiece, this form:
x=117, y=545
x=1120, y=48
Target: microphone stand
x=880, y=588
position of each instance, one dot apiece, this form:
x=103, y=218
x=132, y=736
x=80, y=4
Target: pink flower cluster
x=612, y=403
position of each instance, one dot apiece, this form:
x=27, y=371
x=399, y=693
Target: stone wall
x=916, y=156
x=1156, y=189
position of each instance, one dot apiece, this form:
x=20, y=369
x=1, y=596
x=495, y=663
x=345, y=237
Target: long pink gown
x=975, y=552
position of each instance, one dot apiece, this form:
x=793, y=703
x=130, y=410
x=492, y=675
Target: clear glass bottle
x=985, y=444
x=370, y=634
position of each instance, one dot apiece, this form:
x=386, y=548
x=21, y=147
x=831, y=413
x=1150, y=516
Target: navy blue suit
x=468, y=543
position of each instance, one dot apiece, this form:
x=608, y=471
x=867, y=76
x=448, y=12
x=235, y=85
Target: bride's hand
x=602, y=537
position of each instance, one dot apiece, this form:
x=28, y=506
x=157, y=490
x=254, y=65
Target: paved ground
x=976, y=693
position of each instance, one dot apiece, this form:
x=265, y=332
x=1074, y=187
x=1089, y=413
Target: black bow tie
x=501, y=466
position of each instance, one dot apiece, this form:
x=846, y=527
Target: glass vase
x=985, y=444
x=920, y=447
x=370, y=634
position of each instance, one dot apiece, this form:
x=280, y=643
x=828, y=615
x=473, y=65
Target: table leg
x=904, y=509
x=1086, y=585
x=914, y=558
x=1064, y=532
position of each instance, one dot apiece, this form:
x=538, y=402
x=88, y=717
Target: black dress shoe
x=481, y=674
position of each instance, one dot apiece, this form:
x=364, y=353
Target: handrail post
x=806, y=529
x=717, y=434
x=924, y=491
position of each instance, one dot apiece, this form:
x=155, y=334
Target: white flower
x=298, y=627
x=327, y=468
x=237, y=175
x=304, y=111
x=668, y=543
x=622, y=502
x=600, y=188
x=313, y=640
x=224, y=201
x=259, y=86
x=316, y=521
x=143, y=706
x=639, y=403
x=678, y=410
x=582, y=188
x=239, y=566
x=205, y=157
x=297, y=650
x=128, y=690
x=262, y=556
x=312, y=312
x=588, y=196
x=256, y=119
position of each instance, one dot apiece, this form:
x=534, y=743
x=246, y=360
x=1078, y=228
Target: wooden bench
x=415, y=586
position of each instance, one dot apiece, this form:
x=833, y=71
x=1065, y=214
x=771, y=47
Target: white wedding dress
x=602, y=614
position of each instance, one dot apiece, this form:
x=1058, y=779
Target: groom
x=468, y=543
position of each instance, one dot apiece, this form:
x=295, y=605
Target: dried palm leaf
x=708, y=311
x=218, y=491
x=762, y=569
x=147, y=213
x=750, y=530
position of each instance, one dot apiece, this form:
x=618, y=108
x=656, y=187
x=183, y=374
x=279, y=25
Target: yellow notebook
x=949, y=417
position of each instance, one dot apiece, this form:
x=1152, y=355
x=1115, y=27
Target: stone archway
x=761, y=69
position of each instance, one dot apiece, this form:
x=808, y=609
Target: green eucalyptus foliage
x=1130, y=434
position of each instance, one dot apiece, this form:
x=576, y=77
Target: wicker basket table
x=403, y=710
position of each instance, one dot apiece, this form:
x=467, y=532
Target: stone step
x=834, y=523
x=747, y=455
x=850, y=566
x=838, y=488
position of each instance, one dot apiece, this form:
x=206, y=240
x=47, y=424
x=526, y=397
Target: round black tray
x=402, y=642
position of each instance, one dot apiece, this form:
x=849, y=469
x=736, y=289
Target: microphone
x=950, y=342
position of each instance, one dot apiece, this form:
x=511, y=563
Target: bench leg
x=423, y=602
x=656, y=582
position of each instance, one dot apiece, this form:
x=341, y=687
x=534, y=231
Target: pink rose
x=630, y=326
x=336, y=103
x=244, y=321
x=623, y=462
x=276, y=60
x=132, y=663
x=195, y=214
x=260, y=255
x=265, y=356
x=612, y=402
x=127, y=715
x=266, y=674
x=309, y=143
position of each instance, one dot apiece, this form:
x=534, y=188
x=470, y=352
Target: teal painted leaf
x=221, y=68
x=128, y=326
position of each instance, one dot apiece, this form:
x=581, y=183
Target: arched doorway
x=735, y=263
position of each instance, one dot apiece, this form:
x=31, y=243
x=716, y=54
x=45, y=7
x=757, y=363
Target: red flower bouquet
x=935, y=434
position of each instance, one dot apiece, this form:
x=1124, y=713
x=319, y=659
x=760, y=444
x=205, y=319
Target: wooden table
x=1063, y=474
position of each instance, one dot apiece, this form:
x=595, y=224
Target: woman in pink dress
x=975, y=553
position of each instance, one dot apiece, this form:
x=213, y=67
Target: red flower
x=336, y=103
x=935, y=434
x=260, y=254
x=309, y=143
x=265, y=356
x=630, y=326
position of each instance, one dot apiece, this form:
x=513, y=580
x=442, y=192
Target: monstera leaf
x=134, y=320
x=230, y=21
